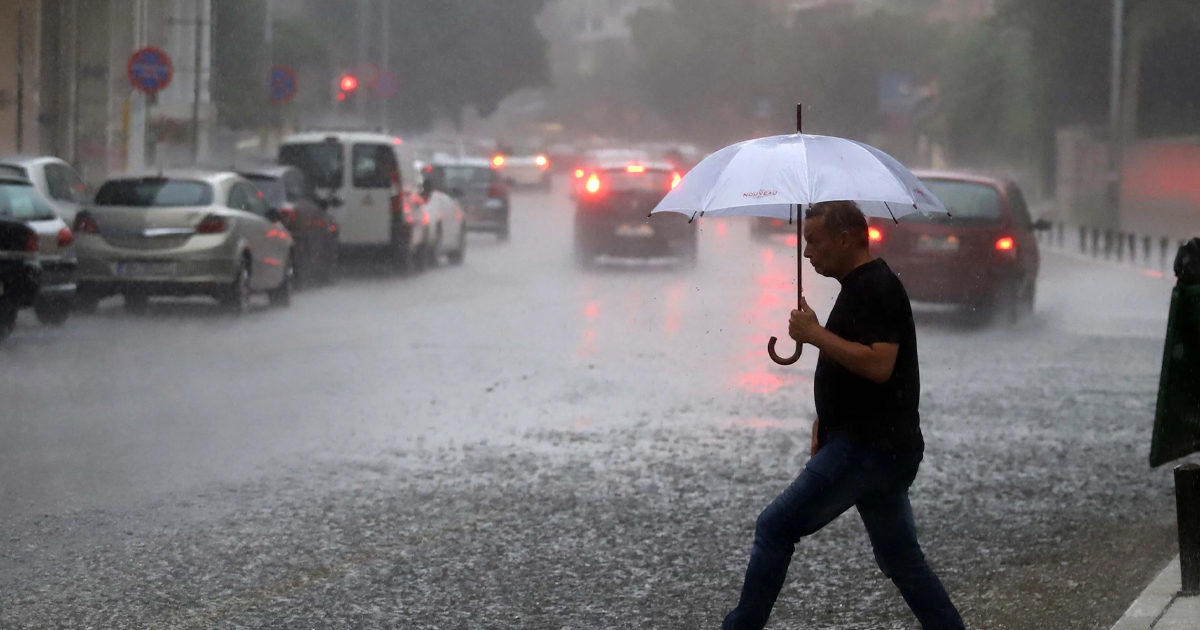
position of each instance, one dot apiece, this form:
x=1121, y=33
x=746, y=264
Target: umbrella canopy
x=769, y=177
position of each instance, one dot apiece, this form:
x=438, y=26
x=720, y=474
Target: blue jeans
x=841, y=475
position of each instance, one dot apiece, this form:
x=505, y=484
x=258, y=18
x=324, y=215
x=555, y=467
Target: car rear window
x=374, y=166
x=13, y=171
x=322, y=162
x=968, y=203
x=23, y=203
x=465, y=176
x=620, y=180
x=149, y=193
x=272, y=189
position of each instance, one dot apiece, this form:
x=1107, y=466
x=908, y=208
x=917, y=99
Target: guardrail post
x=1187, y=510
x=1095, y=241
x=1082, y=240
x=1146, y=249
x=1120, y=246
x=1163, y=244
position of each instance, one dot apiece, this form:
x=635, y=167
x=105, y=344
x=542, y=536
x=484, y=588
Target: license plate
x=929, y=243
x=137, y=269
x=636, y=231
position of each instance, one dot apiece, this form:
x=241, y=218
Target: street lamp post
x=1116, y=145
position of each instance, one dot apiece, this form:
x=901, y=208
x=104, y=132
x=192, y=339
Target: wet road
x=515, y=443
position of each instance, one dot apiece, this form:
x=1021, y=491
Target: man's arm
x=874, y=362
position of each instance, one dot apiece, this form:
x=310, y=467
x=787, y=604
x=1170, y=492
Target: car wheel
x=235, y=299
x=53, y=312
x=86, y=304
x=8, y=321
x=282, y=294
x=136, y=302
x=457, y=256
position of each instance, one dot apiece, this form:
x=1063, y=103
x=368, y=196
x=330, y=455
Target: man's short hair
x=841, y=216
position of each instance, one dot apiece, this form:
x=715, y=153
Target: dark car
x=293, y=202
x=54, y=247
x=612, y=211
x=983, y=256
x=478, y=187
x=20, y=273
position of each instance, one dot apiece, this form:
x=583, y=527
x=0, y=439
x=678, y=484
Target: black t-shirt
x=872, y=308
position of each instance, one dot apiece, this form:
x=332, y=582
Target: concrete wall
x=28, y=10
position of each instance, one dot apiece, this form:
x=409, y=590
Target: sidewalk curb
x=1152, y=604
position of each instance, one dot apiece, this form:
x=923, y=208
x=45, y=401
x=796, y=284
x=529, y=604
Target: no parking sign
x=150, y=70
x=282, y=84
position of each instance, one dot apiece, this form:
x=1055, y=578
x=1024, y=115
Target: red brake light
x=874, y=235
x=542, y=161
x=349, y=83
x=65, y=238
x=1006, y=244
x=85, y=224
x=635, y=168
x=593, y=184
x=675, y=179
x=579, y=173
x=498, y=161
x=287, y=212
x=397, y=141
x=212, y=225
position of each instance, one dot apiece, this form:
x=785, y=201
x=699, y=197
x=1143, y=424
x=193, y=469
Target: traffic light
x=346, y=92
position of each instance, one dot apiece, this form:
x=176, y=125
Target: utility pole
x=1116, y=140
x=196, y=85
x=20, y=79
x=364, y=32
x=385, y=51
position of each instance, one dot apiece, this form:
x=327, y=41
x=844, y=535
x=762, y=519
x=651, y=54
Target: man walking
x=867, y=442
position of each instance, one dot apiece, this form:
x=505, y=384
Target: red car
x=984, y=256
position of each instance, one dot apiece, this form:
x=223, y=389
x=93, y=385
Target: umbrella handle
x=780, y=360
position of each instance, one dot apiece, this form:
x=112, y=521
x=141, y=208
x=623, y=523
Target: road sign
x=388, y=84
x=150, y=70
x=282, y=84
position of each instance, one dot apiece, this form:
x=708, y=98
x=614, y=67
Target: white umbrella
x=776, y=177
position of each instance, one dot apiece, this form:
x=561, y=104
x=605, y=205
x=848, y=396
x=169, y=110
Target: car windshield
x=621, y=180
x=968, y=203
x=22, y=202
x=322, y=162
x=153, y=192
x=466, y=176
x=272, y=190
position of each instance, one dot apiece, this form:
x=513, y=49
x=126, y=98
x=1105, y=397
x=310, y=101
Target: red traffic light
x=349, y=83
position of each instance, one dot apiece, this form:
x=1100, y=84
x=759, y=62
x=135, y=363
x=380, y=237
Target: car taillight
x=212, y=225
x=874, y=235
x=1006, y=244
x=407, y=209
x=635, y=168
x=65, y=238
x=85, y=224
x=287, y=214
x=542, y=162
x=593, y=184
x=675, y=179
x=579, y=173
x=398, y=204
x=496, y=190
x=498, y=161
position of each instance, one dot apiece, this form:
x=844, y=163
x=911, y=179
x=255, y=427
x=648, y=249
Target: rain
x=360, y=314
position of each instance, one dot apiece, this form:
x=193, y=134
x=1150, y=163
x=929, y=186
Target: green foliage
x=447, y=55
x=239, y=62
x=987, y=97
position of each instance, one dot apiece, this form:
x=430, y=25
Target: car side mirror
x=1041, y=225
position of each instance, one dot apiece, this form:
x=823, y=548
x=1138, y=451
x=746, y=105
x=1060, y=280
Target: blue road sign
x=282, y=84
x=150, y=70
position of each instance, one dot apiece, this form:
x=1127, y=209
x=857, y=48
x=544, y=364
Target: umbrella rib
x=889, y=209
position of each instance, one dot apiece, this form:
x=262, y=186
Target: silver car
x=53, y=178
x=182, y=233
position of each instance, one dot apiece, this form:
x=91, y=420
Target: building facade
x=75, y=98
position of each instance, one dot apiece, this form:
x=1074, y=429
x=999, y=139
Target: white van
x=360, y=178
